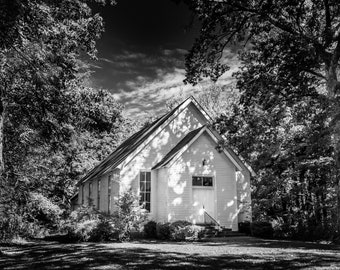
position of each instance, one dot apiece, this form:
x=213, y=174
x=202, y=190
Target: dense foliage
x=180, y=230
x=287, y=123
x=52, y=128
x=89, y=224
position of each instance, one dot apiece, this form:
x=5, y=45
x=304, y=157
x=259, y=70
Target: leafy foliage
x=180, y=230
x=52, y=128
x=150, y=229
x=129, y=215
x=163, y=231
x=287, y=123
x=262, y=229
x=89, y=224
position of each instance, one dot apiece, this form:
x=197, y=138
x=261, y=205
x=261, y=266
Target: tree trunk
x=336, y=140
x=2, y=117
x=332, y=89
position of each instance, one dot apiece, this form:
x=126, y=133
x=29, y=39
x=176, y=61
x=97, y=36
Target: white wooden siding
x=219, y=166
x=162, y=195
x=188, y=120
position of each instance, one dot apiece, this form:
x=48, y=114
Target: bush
x=88, y=224
x=33, y=217
x=189, y=232
x=11, y=226
x=244, y=227
x=44, y=211
x=177, y=233
x=81, y=223
x=262, y=229
x=104, y=231
x=180, y=224
x=163, y=231
x=129, y=215
x=82, y=231
x=281, y=229
x=150, y=229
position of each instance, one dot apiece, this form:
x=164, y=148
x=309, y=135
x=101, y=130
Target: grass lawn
x=230, y=253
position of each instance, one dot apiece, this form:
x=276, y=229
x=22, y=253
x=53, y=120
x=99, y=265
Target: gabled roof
x=136, y=140
x=174, y=151
x=184, y=144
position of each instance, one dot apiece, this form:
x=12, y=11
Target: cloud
x=145, y=82
x=177, y=51
x=150, y=96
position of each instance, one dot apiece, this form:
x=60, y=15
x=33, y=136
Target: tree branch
x=317, y=74
x=328, y=35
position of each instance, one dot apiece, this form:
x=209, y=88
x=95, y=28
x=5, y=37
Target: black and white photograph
x=169, y=134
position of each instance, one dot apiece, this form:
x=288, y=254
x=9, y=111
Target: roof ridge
x=129, y=145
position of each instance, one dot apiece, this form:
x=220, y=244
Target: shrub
x=244, y=227
x=11, y=225
x=188, y=232
x=33, y=218
x=44, y=211
x=82, y=231
x=88, y=224
x=150, y=229
x=81, y=223
x=163, y=231
x=193, y=232
x=180, y=223
x=262, y=229
x=105, y=230
x=129, y=215
x=177, y=233
x=282, y=229
x=177, y=230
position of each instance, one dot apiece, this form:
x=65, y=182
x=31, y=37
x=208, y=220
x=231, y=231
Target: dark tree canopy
x=304, y=33
x=52, y=128
x=289, y=52
x=42, y=44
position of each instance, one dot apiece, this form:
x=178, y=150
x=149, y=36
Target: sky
x=141, y=54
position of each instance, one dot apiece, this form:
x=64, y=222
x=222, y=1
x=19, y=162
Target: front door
x=203, y=198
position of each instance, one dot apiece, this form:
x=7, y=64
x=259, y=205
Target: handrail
x=214, y=220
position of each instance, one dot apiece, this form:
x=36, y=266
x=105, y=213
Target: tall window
x=98, y=194
x=109, y=184
x=82, y=193
x=202, y=181
x=145, y=190
x=90, y=194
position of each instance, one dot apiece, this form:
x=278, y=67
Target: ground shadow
x=52, y=255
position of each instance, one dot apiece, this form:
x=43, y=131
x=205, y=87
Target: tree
x=216, y=100
x=95, y=128
x=291, y=152
x=294, y=53
x=41, y=45
x=42, y=171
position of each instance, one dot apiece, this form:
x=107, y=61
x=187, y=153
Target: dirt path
x=231, y=253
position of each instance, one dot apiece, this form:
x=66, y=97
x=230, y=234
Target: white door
x=203, y=199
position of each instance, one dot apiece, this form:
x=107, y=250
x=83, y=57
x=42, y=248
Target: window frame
x=202, y=186
x=82, y=194
x=90, y=202
x=142, y=201
x=109, y=191
x=98, y=193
